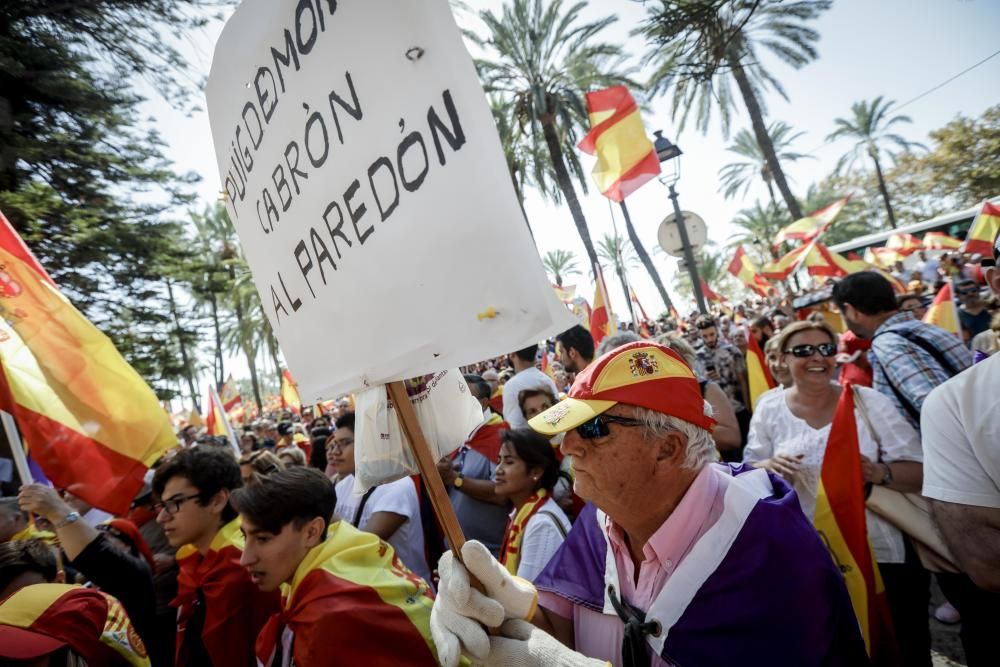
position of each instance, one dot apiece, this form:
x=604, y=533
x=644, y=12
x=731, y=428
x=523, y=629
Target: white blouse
x=542, y=538
x=775, y=430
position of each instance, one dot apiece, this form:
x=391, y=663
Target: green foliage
x=560, y=264
x=870, y=128
x=736, y=178
x=615, y=251
x=86, y=186
x=695, y=45
x=758, y=226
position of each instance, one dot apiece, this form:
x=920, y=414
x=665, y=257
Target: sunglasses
x=598, y=426
x=806, y=351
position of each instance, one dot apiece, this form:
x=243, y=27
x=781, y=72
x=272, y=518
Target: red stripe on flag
x=634, y=178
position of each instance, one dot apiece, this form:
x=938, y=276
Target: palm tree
x=614, y=250
x=698, y=47
x=541, y=58
x=737, y=176
x=560, y=263
x=870, y=128
x=519, y=161
x=758, y=226
x=213, y=241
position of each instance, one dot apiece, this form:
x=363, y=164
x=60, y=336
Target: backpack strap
x=927, y=347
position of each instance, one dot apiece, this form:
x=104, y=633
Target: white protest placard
x=367, y=183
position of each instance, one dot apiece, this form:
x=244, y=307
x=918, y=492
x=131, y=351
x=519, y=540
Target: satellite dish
x=670, y=237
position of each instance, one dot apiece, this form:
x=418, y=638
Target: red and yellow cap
x=644, y=374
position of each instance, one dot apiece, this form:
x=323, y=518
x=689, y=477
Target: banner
x=361, y=163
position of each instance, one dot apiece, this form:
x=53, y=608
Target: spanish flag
x=352, y=601
x=602, y=320
x=235, y=610
x=940, y=241
x=984, y=230
x=840, y=522
x=707, y=291
x=943, y=312
x=783, y=267
x=625, y=155
x=758, y=374
x=89, y=420
x=91, y=623
x=486, y=438
x=742, y=267
x=810, y=227
x=904, y=244
x=229, y=394
x=566, y=293
x=290, y=393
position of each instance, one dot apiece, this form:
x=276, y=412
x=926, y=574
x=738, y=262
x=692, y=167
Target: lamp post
x=669, y=152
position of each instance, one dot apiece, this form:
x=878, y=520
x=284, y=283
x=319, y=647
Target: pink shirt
x=600, y=635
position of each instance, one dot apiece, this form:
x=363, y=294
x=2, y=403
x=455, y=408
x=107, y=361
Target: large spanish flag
x=810, y=227
x=290, y=393
x=840, y=522
x=984, y=230
x=625, y=155
x=353, y=602
x=93, y=624
x=943, y=312
x=758, y=374
x=602, y=320
x=89, y=420
x=742, y=267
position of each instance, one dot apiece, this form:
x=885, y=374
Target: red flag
x=602, y=320
x=707, y=291
x=758, y=374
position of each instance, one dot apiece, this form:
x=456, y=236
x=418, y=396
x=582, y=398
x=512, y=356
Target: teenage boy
x=220, y=611
x=348, y=598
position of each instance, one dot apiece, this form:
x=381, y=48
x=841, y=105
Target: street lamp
x=670, y=153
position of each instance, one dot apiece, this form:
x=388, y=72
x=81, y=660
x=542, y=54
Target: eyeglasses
x=967, y=292
x=173, y=505
x=598, y=426
x=334, y=444
x=806, y=351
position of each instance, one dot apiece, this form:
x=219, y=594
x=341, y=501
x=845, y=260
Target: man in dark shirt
x=973, y=315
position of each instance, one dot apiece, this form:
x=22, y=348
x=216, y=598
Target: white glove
x=460, y=611
x=524, y=645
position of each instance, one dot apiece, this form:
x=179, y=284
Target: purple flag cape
x=773, y=597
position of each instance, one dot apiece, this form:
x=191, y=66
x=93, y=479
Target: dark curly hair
x=209, y=470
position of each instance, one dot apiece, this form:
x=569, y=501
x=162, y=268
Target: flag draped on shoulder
x=290, y=393
x=758, y=374
x=840, y=522
x=353, y=602
x=984, y=230
x=90, y=421
x=234, y=608
x=625, y=155
x=943, y=312
x=743, y=268
x=602, y=320
x=811, y=226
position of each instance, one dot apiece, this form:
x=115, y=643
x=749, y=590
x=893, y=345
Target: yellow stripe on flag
x=943, y=312
x=984, y=230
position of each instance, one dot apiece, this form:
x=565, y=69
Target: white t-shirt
x=960, y=423
x=399, y=497
x=774, y=430
x=542, y=538
x=529, y=378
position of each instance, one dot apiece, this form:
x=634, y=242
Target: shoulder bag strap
x=361, y=506
x=555, y=520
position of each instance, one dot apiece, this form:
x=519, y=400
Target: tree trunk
x=520, y=201
x=884, y=191
x=220, y=376
x=644, y=257
x=763, y=139
x=770, y=189
x=8, y=154
x=272, y=346
x=620, y=270
x=569, y=192
x=188, y=373
x=248, y=350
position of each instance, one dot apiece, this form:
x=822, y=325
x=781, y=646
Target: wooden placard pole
x=440, y=501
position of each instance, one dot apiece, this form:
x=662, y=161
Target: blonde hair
x=807, y=325
x=680, y=346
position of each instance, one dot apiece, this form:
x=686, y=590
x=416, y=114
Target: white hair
x=700, y=445
x=616, y=341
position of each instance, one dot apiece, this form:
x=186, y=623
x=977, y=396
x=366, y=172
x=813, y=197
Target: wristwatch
x=459, y=481
x=72, y=517
x=887, y=477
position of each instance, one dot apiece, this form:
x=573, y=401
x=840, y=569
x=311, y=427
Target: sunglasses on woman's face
x=806, y=351
x=598, y=426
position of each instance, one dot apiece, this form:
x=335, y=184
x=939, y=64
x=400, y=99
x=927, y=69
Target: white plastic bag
x=446, y=410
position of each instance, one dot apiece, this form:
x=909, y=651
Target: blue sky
x=895, y=48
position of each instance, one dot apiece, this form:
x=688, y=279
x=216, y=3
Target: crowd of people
x=628, y=503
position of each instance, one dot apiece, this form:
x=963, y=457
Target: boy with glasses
x=220, y=611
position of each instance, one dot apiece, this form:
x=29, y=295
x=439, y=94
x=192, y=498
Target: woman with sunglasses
x=788, y=436
x=527, y=471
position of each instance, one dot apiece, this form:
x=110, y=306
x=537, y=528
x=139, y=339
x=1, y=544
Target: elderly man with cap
x=680, y=561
